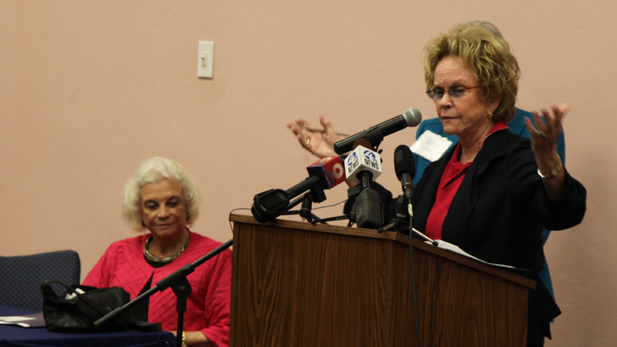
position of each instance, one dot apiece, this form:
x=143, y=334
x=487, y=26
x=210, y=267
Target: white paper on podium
x=456, y=249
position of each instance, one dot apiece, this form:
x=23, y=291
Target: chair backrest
x=21, y=276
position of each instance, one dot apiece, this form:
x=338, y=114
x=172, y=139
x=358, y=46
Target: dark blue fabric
x=12, y=336
x=21, y=276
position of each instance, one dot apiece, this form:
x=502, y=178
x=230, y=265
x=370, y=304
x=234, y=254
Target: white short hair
x=154, y=170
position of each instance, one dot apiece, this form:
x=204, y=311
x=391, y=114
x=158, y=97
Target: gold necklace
x=165, y=259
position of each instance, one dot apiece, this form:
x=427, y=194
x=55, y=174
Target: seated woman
x=161, y=199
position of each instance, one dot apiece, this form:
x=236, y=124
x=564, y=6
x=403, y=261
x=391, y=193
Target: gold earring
x=490, y=115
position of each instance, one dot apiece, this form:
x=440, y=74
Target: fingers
x=298, y=126
x=294, y=128
x=564, y=108
x=548, y=122
x=560, y=112
x=553, y=121
x=302, y=122
x=327, y=125
x=304, y=141
x=533, y=132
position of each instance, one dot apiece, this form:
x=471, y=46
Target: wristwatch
x=554, y=172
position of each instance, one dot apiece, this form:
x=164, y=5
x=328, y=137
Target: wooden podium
x=297, y=284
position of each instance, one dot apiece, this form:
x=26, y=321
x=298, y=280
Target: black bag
x=79, y=313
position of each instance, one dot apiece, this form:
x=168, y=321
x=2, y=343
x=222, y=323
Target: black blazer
x=498, y=214
x=501, y=206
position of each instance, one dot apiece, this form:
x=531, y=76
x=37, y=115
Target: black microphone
x=405, y=168
x=362, y=166
x=412, y=117
x=323, y=174
x=270, y=204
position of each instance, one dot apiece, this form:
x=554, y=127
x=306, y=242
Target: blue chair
x=21, y=276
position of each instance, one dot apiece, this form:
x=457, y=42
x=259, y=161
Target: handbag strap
x=132, y=324
x=48, y=291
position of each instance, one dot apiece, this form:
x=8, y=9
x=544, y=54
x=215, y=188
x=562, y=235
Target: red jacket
x=208, y=307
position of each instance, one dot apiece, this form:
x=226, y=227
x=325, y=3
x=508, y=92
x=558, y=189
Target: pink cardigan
x=123, y=265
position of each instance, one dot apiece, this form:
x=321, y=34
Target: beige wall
x=90, y=88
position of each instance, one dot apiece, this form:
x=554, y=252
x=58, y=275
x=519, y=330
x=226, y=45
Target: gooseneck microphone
x=405, y=168
x=412, y=117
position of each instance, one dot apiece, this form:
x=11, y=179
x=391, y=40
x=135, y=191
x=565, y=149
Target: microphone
x=270, y=204
x=330, y=169
x=405, y=168
x=362, y=160
x=363, y=166
x=412, y=117
x=323, y=174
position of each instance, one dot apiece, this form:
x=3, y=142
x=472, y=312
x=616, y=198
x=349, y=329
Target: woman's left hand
x=544, y=137
x=544, y=145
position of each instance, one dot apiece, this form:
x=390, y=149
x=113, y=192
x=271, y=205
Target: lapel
x=426, y=191
x=457, y=223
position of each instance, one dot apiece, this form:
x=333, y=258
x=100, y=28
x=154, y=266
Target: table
x=14, y=336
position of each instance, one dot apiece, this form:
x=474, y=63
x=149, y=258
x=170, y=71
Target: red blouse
x=448, y=186
x=208, y=307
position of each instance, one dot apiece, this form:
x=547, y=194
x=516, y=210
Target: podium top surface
x=388, y=236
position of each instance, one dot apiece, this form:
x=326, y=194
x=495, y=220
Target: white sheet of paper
x=456, y=249
x=431, y=146
x=15, y=318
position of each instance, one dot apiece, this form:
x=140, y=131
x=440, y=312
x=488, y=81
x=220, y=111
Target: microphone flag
x=362, y=159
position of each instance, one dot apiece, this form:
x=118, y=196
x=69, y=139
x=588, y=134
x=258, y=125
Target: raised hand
x=544, y=145
x=319, y=142
x=544, y=137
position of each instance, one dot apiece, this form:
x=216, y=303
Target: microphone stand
x=368, y=202
x=178, y=283
x=400, y=224
x=305, y=210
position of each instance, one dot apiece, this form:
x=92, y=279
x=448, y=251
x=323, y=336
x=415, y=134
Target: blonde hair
x=154, y=170
x=488, y=26
x=486, y=56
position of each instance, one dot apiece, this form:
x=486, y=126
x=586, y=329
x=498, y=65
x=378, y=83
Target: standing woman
x=494, y=191
x=161, y=199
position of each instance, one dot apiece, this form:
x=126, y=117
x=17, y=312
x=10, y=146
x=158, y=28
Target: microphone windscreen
x=403, y=161
x=412, y=116
x=362, y=159
x=330, y=169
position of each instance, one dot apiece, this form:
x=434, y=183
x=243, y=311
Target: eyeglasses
x=455, y=91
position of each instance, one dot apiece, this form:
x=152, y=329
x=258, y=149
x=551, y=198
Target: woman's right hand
x=320, y=143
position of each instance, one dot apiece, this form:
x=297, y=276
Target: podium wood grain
x=295, y=284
